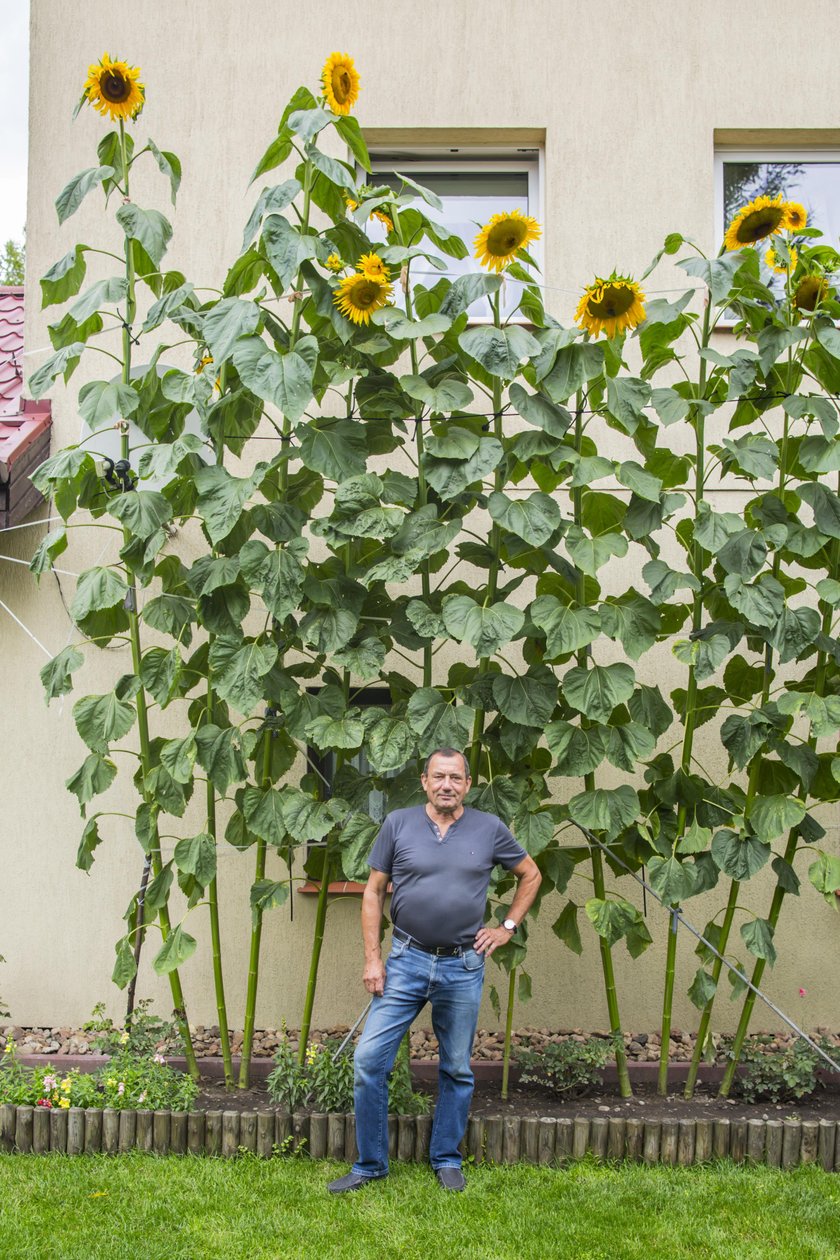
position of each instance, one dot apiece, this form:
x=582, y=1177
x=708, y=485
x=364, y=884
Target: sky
x=14, y=112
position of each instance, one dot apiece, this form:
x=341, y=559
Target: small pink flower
x=142, y=1097
x=121, y=1089
x=50, y=1082
x=802, y=992
x=158, y=1058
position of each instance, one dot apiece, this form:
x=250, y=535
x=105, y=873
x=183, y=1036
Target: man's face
x=446, y=783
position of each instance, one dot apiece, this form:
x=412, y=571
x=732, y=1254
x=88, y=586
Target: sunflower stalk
x=179, y=1008
x=474, y=757
x=508, y=1032
x=696, y=563
x=598, y=883
x=265, y=779
x=752, y=787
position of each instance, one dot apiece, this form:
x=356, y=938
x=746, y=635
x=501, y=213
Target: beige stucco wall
x=629, y=98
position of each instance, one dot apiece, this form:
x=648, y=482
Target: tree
x=13, y=262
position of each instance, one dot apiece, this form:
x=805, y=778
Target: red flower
x=43, y=1102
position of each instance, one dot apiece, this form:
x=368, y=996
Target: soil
x=533, y=1100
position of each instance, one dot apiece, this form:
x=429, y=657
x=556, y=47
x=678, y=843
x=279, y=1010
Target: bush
x=774, y=1075
x=143, y=1035
x=327, y=1085
x=565, y=1067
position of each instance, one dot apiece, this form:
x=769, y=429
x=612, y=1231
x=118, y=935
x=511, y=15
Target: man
x=439, y=857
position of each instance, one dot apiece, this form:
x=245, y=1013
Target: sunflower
x=372, y=266
x=796, y=216
x=775, y=263
x=113, y=88
x=341, y=82
x=610, y=306
x=762, y=217
x=358, y=296
x=352, y=204
x=810, y=291
x=334, y=263
x=500, y=240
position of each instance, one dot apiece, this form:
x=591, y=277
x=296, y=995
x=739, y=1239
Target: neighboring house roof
x=24, y=424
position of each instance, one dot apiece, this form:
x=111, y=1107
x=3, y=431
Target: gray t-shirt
x=440, y=885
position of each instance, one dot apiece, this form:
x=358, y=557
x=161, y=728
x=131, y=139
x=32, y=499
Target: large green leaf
x=540, y=411
x=142, y=511
x=327, y=732
x=616, y=919
x=534, y=829
x=56, y=673
x=283, y=379
x=628, y=744
x=566, y=929
x=467, y=289
x=566, y=629
x=626, y=398
x=218, y=754
x=238, y=670
x=226, y=322
x=276, y=573
x=95, y=775
x=196, y=856
x=437, y=722
x=265, y=895
x=308, y=820
x=336, y=449
x=62, y=363
x=160, y=671
x=221, y=499
x=499, y=350
x=101, y=719
x=534, y=518
x=576, y=750
x=286, y=247
x=328, y=629
x=449, y=394
x=486, y=627
x=596, y=691
x=739, y=857
x=669, y=879
x=771, y=816
x=263, y=812
x=824, y=874
x=391, y=744
x=176, y=949
x=606, y=809
x=403, y=329
x=757, y=935
x=177, y=756
x=149, y=227
x=91, y=839
x=761, y=602
x=356, y=839
x=451, y=477
x=528, y=699
x=64, y=278
x=73, y=194
x=592, y=553
x=423, y=533
x=364, y=660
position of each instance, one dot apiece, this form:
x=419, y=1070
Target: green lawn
x=138, y=1207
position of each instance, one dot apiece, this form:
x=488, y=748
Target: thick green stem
x=690, y=707
x=495, y=562
x=315, y=955
x=215, y=928
x=179, y=1010
x=598, y=883
x=508, y=1031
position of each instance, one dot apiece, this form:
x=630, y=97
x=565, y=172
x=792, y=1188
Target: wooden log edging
x=507, y=1139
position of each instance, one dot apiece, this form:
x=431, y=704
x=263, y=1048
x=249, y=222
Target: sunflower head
x=610, y=306
x=809, y=292
x=796, y=216
x=334, y=263
x=358, y=296
x=340, y=80
x=372, y=266
x=383, y=219
x=499, y=241
x=113, y=88
x=759, y=218
x=776, y=263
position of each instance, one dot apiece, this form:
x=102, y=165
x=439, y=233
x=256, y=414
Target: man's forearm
x=373, y=905
x=526, y=891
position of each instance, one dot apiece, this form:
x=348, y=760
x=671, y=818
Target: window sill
x=342, y=888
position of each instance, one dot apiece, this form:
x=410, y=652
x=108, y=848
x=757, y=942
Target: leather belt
x=440, y=951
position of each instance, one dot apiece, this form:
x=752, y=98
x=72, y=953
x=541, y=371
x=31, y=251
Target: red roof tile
x=11, y=350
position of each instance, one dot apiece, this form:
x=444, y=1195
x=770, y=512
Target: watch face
x=510, y=925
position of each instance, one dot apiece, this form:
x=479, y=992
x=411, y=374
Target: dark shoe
x=350, y=1181
x=450, y=1178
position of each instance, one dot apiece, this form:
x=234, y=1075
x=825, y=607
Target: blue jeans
x=453, y=987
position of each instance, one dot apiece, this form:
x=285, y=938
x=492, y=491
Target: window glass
x=813, y=183
x=471, y=192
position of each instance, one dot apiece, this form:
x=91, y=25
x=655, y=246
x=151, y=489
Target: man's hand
x=489, y=938
x=373, y=976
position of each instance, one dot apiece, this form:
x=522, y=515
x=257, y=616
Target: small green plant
x=4, y=1014
x=774, y=1075
x=566, y=1067
x=326, y=1084
x=142, y=1036
x=128, y=1082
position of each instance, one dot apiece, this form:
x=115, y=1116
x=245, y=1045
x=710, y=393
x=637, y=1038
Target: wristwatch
x=510, y=925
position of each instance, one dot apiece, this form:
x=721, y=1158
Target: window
x=473, y=184
x=809, y=176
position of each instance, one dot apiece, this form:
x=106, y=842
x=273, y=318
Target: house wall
x=628, y=98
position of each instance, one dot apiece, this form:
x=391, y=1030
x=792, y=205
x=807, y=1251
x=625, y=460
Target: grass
x=139, y=1207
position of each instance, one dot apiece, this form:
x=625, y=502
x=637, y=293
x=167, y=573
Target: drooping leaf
x=596, y=691
x=56, y=674
x=437, y=722
x=757, y=935
x=95, y=775
x=566, y=929
x=606, y=809
x=196, y=856
x=176, y=949
x=102, y=719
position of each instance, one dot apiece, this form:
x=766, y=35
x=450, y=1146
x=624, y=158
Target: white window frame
x=760, y=153
x=477, y=159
